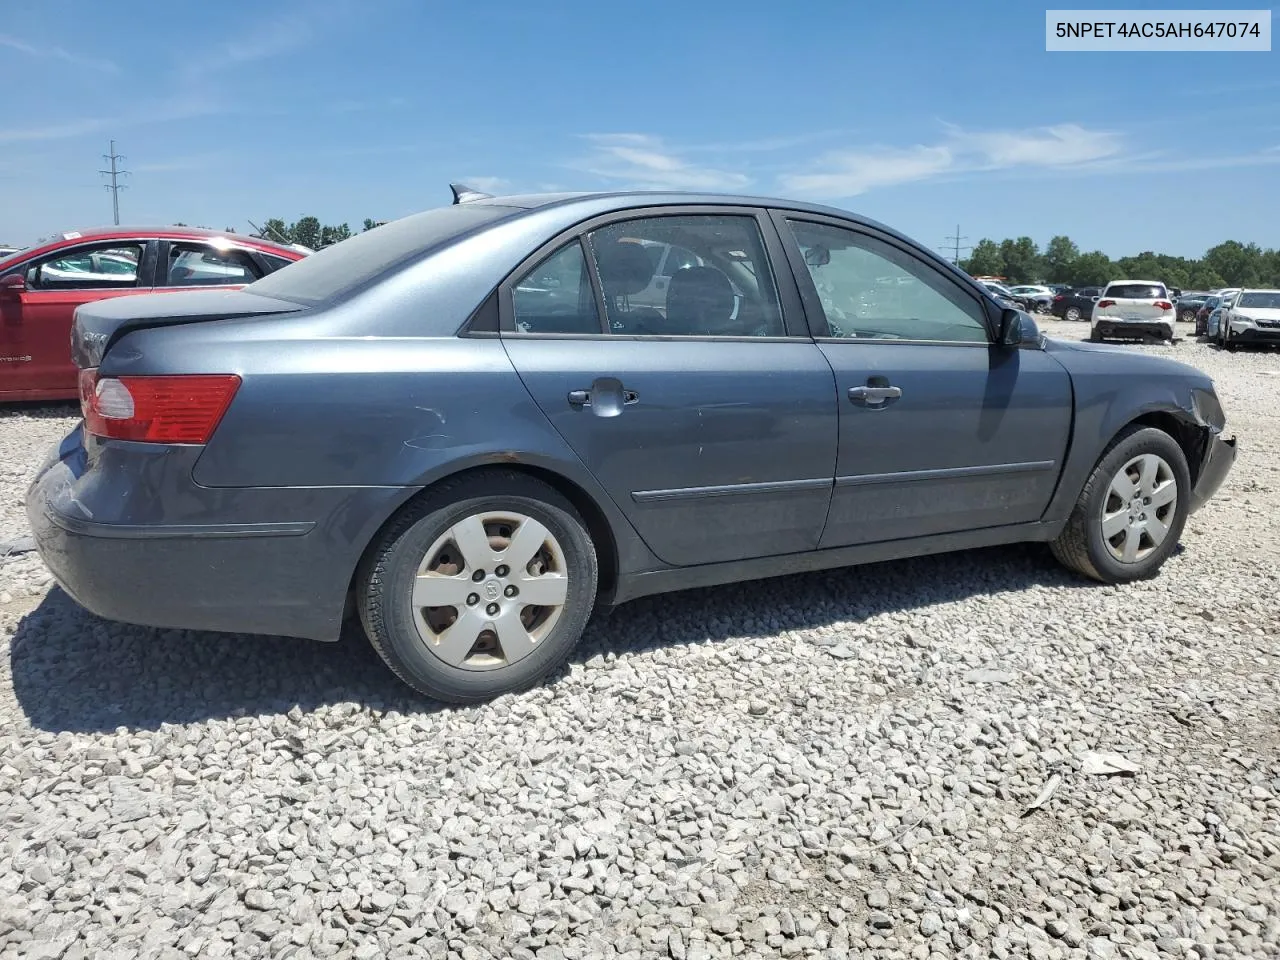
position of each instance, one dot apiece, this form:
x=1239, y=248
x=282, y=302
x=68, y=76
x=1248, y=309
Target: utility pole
x=954, y=242
x=114, y=173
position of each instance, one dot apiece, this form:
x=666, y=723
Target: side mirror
x=1017, y=328
x=12, y=285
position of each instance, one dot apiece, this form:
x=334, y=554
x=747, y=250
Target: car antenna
x=263, y=233
x=464, y=194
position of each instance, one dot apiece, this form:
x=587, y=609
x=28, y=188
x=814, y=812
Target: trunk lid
x=1134, y=302
x=99, y=324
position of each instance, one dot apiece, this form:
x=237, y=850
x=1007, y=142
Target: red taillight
x=1106, y=303
x=1164, y=304
x=170, y=409
x=1058, y=297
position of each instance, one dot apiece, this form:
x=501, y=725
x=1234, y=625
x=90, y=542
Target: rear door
x=708, y=414
x=940, y=430
x=38, y=326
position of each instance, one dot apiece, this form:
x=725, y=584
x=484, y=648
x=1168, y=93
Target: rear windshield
x=339, y=269
x=1268, y=300
x=1136, y=291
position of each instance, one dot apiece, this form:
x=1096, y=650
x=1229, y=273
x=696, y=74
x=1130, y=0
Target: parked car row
x=462, y=429
x=41, y=287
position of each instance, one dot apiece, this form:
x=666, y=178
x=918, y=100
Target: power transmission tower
x=114, y=173
x=954, y=242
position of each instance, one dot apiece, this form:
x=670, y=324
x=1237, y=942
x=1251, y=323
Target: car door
x=37, y=319
x=199, y=264
x=940, y=430
x=711, y=419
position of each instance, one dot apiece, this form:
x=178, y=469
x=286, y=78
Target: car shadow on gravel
x=74, y=672
x=39, y=409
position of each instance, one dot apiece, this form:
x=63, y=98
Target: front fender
x=1110, y=395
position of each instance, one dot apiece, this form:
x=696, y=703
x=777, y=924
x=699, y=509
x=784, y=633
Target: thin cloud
x=1057, y=146
x=853, y=172
x=178, y=109
x=267, y=40
x=847, y=173
x=57, y=131
x=643, y=162
x=57, y=53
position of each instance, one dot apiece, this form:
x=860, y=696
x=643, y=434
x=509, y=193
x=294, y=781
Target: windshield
x=997, y=288
x=1136, y=291
x=1266, y=299
x=343, y=267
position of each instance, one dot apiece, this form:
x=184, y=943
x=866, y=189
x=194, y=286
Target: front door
x=709, y=421
x=38, y=324
x=940, y=430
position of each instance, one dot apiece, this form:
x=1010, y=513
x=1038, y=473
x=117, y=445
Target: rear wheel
x=1131, y=512
x=1073, y=313
x=1187, y=316
x=481, y=588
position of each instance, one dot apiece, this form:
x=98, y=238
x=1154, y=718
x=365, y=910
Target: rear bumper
x=282, y=571
x=1133, y=328
x=1217, y=463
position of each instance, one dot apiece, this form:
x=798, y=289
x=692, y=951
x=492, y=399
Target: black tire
x=1081, y=547
x=386, y=576
x=1072, y=313
x=1187, y=316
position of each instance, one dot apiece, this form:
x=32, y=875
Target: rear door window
x=203, y=265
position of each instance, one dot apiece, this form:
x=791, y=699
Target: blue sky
x=924, y=116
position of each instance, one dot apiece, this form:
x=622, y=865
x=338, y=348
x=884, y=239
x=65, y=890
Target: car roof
x=611, y=201
x=166, y=232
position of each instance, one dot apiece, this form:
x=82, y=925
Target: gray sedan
x=472, y=427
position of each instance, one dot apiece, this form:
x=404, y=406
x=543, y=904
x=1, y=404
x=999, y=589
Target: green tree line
x=308, y=231
x=1229, y=264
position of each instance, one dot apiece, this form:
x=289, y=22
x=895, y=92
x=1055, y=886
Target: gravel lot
x=828, y=765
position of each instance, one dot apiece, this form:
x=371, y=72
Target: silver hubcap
x=489, y=590
x=1141, y=502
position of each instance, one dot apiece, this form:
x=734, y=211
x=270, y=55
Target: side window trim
x=817, y=317
x=781, y=272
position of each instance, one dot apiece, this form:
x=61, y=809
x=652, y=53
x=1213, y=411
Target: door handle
x=606, y=398
x=874, y=396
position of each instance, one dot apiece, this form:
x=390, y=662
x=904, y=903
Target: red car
x=40, y=288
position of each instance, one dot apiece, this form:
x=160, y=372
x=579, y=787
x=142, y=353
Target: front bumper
x=130, y=537
x=1255, y=335
x=1219, y=456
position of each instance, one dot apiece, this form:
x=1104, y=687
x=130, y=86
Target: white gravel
x=830, y=765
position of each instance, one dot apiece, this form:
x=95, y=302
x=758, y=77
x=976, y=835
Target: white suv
x=1133, y=309
x=1251, y=316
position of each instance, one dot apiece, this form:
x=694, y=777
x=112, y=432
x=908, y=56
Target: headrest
x=699, y=297
x=625, y=268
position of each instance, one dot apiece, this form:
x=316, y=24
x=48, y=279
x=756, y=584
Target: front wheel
x=1073, y=314
x=1131, y=512
x=481, y=588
